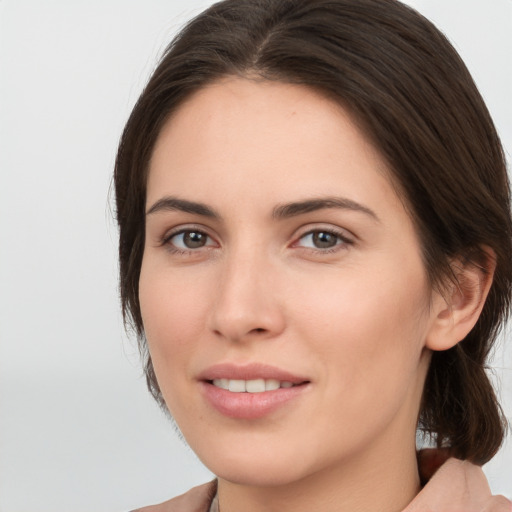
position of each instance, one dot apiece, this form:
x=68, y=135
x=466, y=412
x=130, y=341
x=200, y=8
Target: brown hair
x=414, y=98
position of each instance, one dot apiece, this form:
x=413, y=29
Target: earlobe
x=456, y=311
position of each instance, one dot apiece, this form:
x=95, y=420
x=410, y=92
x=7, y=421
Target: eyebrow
x=166, y=204
x=310, y=205
x=283, y=211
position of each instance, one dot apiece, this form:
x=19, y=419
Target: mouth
x=251, y=391
x=252, y=385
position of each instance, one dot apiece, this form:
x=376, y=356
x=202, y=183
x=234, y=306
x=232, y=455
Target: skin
x=357, y=318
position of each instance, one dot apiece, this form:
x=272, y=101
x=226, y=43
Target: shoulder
x=198, y=499
x=458, y=485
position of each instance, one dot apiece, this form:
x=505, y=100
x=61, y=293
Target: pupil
x=193, y=240
x=324, y=240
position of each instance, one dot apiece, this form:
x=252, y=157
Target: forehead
x=262, y=139
x=250, y=111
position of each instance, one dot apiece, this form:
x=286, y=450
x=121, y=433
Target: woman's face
x=278, y=254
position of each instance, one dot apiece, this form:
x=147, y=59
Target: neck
x=388, y=482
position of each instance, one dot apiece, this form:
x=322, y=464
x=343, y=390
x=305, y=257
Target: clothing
x=198, y=499
x=457, y=486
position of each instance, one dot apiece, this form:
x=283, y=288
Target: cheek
x=172, y=314
x=369, y=331
x=173, y=319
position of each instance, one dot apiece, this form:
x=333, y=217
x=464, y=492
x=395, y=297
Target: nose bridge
x=245, y=304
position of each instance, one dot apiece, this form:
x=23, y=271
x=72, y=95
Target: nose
x=247, y=304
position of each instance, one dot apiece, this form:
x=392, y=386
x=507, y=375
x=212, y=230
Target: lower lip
x=249, y=406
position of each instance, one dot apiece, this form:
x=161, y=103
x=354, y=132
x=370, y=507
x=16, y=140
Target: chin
x=258, y=463
x=261, y=474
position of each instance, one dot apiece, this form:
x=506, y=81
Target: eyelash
x=166, y=240
x=342, y=241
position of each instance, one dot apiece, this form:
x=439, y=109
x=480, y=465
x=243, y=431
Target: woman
x=315, y=242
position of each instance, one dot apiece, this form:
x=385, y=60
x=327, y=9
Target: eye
x=322, y=239
x=189, y=240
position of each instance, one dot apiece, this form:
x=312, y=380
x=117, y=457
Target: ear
x=455, y=311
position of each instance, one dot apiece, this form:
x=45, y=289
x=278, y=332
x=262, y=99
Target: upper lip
x=250, y=371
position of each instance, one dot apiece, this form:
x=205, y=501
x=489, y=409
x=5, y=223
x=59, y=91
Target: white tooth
x=255, y=386
x=221, y=383
x=237, y=386
x=286, y=384
x=271, y=384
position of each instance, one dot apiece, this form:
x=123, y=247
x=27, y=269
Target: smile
x=251, y=386
x=250, y=391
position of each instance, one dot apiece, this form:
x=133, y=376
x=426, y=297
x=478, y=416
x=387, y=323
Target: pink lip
x=249, y=405
x=248, y=372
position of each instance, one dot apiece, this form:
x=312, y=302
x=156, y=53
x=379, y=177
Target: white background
x=78, y=431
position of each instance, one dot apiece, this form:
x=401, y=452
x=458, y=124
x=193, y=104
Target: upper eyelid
x=298, y=233
x=166, y=242
x=180, y=228
x=343, y=241
x=330, y=228
x=166, y=237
